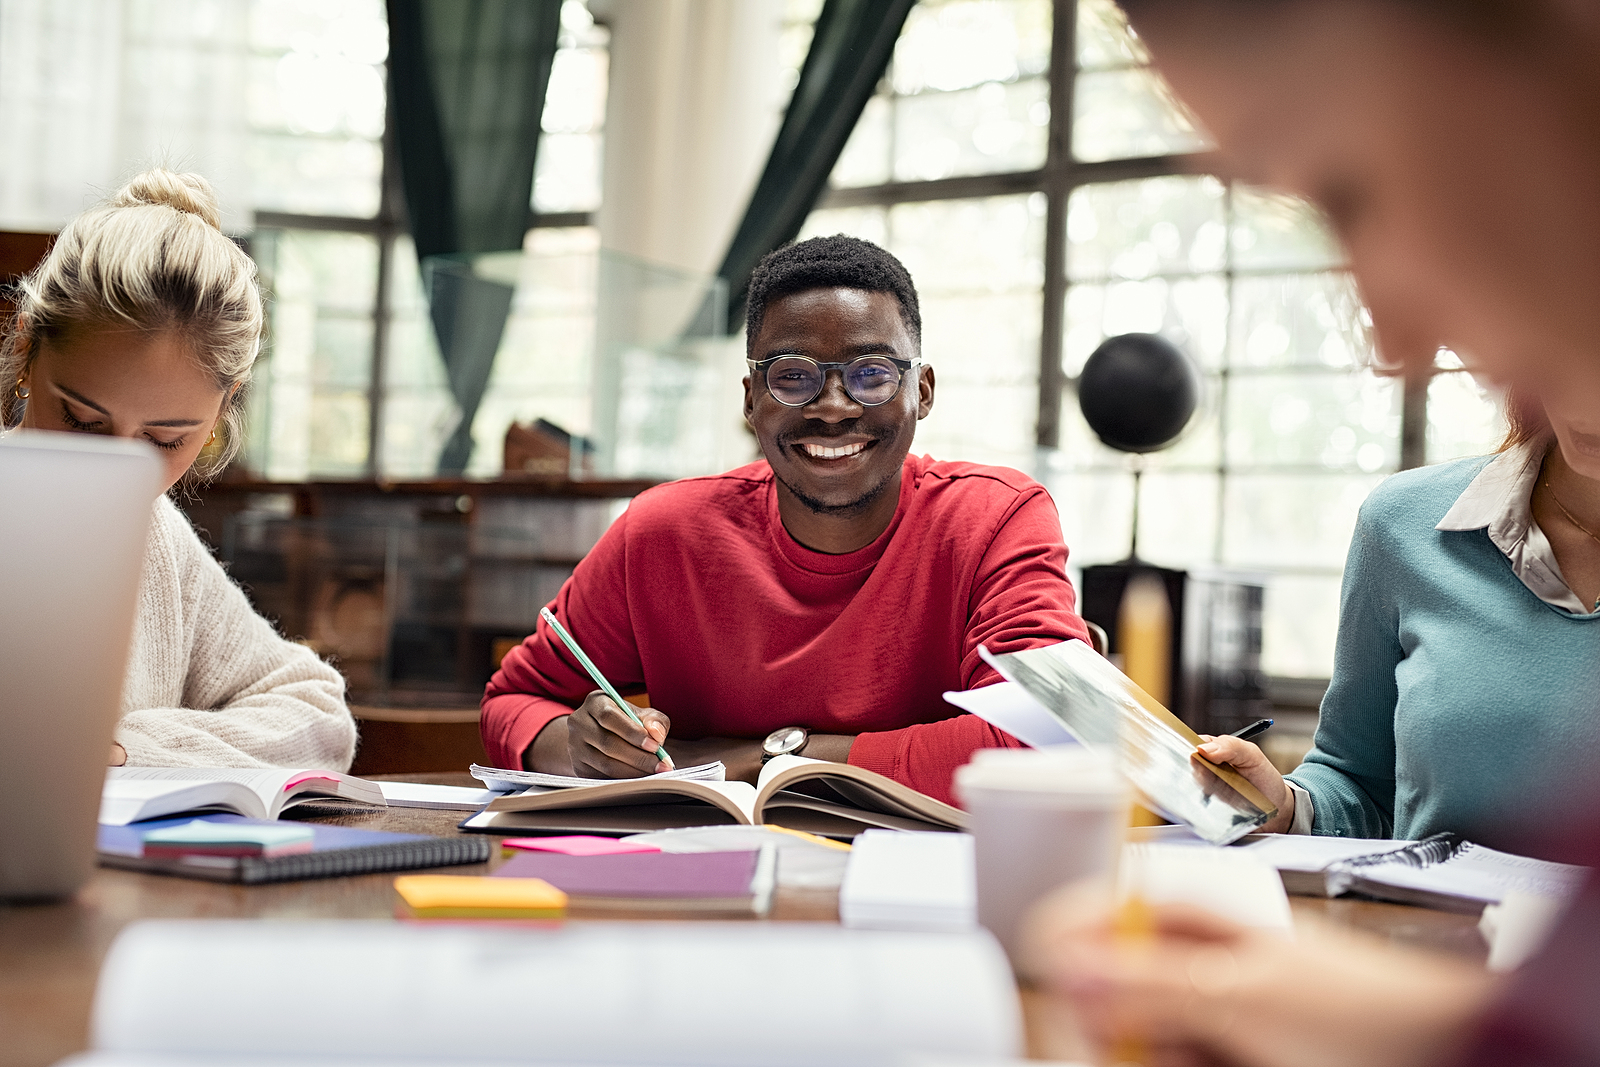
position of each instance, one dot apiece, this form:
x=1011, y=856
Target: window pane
x=985, y=352
x=1291, y=520
x=867, y=223
x=957, y=44
x=1135, y=229
x=1298, y=320
x=567, y=171
x=1192, y=313
x=992, y=244
x=1126, y=114
x=1096, y=513
x=977, y=266
x=575, y=100
x=1464, y=419
x=543, y=365
x=1337, y=421
x=799, y=20
x=317, y=104
x=1300, y=619
x=865, y=159
x=1178, y=518
x=316, y=175
x=1104, y=40
x=419, y=411
x=991, y=128
x=1274, y=232
x=311, y=397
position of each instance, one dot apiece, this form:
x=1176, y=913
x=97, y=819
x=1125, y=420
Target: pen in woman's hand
x=1260, y=726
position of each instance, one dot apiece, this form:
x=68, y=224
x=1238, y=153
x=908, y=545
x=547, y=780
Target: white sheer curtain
x=94, y=91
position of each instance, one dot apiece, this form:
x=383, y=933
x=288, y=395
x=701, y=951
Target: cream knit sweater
x=210, y=683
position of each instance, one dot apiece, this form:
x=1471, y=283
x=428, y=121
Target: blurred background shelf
x=414, y=589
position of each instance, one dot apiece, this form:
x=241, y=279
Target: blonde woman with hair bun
x=143, y=321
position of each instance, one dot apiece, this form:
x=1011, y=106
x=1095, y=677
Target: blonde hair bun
x=153, y=257
x=188, y=193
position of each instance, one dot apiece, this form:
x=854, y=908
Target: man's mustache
x=817, y=428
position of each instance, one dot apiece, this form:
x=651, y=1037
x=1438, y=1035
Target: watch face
x=788, y=739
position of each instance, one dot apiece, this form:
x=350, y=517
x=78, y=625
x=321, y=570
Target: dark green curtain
x=467, y=81
x=850, y=50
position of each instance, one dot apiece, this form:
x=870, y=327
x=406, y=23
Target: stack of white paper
x=910, y=881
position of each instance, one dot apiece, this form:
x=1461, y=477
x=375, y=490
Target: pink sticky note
x=310, y=776
x=576, y=846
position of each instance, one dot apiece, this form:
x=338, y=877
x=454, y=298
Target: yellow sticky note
x=450, y=896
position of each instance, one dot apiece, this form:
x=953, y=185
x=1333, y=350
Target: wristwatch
x=787, y=741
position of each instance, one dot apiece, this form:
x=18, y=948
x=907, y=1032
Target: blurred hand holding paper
x=1101, y=707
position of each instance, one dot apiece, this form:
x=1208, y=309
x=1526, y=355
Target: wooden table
x=50, y=954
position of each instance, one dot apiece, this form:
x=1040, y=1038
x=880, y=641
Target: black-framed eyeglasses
x=796, y=381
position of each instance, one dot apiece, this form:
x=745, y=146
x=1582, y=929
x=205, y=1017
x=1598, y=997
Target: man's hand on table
x=598, y=740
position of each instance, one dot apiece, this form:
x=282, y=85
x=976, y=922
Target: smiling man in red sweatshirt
x=819, y=601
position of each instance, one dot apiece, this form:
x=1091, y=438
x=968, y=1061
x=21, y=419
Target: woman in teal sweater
x=1466, y=680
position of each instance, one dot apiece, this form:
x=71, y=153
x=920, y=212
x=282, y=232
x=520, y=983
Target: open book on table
x=829, y=799
x=630, y=995
x=135, y=793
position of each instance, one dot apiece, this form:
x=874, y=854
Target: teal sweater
x=1458, y=697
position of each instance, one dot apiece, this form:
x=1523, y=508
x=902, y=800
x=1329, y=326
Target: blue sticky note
x=202, y=834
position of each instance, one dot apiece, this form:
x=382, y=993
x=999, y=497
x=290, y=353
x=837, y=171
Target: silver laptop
x=74, y=515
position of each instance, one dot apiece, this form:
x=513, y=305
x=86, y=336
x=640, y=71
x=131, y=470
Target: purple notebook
x=720, y=881
x=336, y=851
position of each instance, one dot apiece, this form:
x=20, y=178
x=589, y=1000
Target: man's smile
x=834, y=448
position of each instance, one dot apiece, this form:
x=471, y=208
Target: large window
x=1045, y=204
x=352, y=383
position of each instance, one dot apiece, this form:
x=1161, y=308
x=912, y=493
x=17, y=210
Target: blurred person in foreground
x=1455, y=148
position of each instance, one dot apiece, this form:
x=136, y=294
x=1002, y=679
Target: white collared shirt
x=1499, y=501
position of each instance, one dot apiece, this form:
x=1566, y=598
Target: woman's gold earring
x=212, y=439
x=19, y=392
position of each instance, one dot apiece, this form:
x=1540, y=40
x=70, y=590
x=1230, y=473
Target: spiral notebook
x=335, y=851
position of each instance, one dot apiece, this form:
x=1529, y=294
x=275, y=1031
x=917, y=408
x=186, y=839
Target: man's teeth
x=821, y=452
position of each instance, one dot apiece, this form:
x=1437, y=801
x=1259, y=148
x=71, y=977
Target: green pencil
x=599, y=679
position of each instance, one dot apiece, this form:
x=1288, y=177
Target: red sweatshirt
x=699, y=596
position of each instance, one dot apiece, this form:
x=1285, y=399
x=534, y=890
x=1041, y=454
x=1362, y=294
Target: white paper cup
x=1042, y=818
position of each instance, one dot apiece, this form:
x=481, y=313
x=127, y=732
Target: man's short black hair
x=827, y=263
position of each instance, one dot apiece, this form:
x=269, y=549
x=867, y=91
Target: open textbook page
x=628, y=994
x=840, y=800
x=134, y=793
x=503, y=780
x=831, y=799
